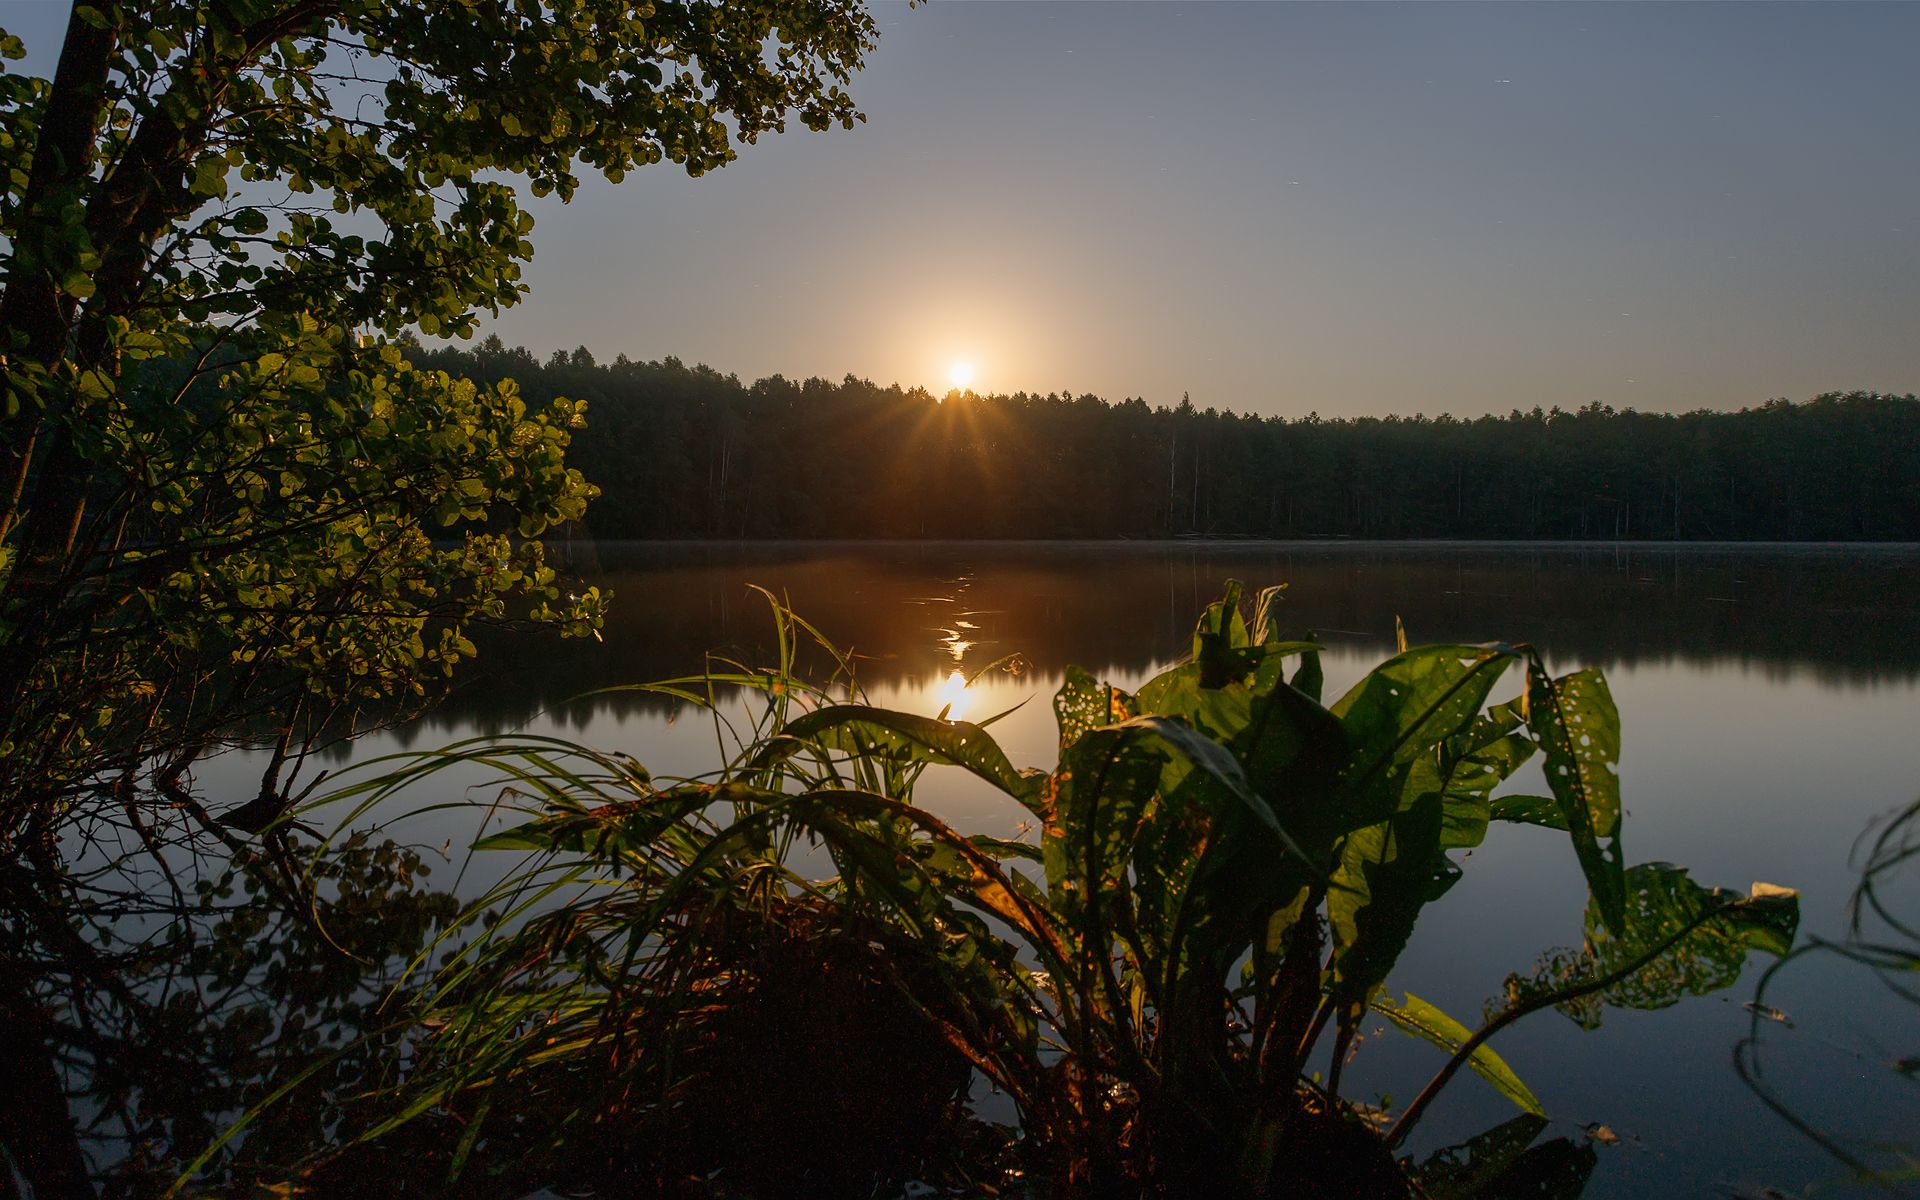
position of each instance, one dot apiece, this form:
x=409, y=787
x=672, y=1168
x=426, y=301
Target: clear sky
x=1282, y=208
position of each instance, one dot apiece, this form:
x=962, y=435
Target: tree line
x=684, y=451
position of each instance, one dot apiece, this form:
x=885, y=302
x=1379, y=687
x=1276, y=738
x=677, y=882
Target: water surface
x=1768, y=703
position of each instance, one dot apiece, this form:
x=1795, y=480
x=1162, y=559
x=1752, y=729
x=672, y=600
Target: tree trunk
x=36, y=310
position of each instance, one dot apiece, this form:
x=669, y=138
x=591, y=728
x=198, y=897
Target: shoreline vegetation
x=686, y=452
x=1251, y=541
x=1163, y=974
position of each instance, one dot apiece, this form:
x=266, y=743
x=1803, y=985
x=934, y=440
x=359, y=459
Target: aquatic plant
x=1223, y=874
x=1882, y=939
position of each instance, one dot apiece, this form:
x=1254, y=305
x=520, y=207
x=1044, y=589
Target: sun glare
x=960, y=375
x=951, y=695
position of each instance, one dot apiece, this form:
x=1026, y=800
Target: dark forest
x=687, y=452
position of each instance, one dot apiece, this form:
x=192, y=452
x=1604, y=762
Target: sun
x=960, y=375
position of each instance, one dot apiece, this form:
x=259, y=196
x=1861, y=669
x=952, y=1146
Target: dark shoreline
x=1260, y=543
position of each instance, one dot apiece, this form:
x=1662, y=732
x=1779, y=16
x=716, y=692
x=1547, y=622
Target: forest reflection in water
x=1844, y=615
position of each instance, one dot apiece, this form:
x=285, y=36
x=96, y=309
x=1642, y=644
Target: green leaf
x=1152, y=818
x=1466, y=1171
x=1386, y=874
x=210, y=176
x=1084, y=703
x=1003, y=848
x=1574, y=720
x=605, y=829
x=1220, y=640
x=93, y=385
x=1543, y=811
x=1662, y=899
x=865, y=729
x=1475, y=762
x=1098, y=798
x=1288, y=746
x=1698, y=939
x=1403, y=710
x=1192, y=751
x=1254, y=717
x=1501, y=1163
x=1420, y=1019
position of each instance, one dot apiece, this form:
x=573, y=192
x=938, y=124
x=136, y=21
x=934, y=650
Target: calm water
x=1770, y=699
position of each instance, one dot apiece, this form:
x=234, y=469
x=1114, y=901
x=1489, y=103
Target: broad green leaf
x=1249, y=718
x=94, y=385
x=1141, y=809
x=1463, y=822
x=1578, y=728
x=1475, y=762
x=1386, y=873
x=1466, y=1171
x=210, y=176
x=1529, y=810
x=1502, y=1163
x=1097, y=799
x=1554, y=1170
x=1194, y=758
x=1085, y=703
x=1661, y=900
x=1288, y=746
x=1422, y=1020
x=1698, y=939
x=866, y=729
x=1406, y=707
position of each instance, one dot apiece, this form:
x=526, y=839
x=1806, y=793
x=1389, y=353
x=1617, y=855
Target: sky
x=1348, y=209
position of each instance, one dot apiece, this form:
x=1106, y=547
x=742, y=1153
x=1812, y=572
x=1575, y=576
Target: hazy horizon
x=1358, y=210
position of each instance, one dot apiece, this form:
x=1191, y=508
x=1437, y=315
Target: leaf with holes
x=1402, y=709
x=1578, y=728
x=1473, y=763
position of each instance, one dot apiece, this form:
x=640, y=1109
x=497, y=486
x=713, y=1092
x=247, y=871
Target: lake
x=1769, y=698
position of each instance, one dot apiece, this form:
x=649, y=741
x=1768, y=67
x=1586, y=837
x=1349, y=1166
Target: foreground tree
x=229, y=508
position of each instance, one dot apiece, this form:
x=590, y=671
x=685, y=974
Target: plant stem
x=1564, y=995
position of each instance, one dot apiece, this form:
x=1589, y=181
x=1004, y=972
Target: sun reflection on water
x=952, y=695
